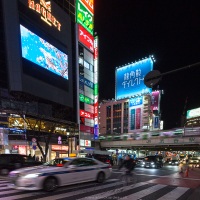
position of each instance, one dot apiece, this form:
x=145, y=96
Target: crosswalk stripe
x=102, y=191
x=73, y=193
x=113, y=192
x=174, y=194
x=143, y=193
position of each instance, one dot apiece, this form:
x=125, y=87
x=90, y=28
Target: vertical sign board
x=155, y=100
x=136, y=113
x=132, y=122
x=85, y=38
x=89, y=4
x=156, y=122
x=84, y=17
x=138, y=118
x=96, y=91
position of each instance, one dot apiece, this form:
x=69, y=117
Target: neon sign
x=84, y=17
x=86, y=114
x=86, y=38
x=44, y=8
x=89, y=4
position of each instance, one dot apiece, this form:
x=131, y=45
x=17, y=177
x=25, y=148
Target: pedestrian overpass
x=186, y=139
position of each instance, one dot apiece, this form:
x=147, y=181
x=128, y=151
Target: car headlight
x=152, y=163
x=143, y=163
x=170, y=162
x=31, y=175
x=191, y=160
x=176, y=162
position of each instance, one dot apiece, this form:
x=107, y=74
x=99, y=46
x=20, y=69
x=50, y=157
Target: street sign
x=34, y=140
x=34, y=147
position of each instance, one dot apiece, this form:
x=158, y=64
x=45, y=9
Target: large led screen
x=42, y=53
x=130, y=79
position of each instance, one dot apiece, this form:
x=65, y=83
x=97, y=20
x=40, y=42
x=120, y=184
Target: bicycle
x=127, y=177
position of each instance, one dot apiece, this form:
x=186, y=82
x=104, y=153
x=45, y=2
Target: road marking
x=145, y=192
x=73, y=193
x=174, y=194
x=113, y=192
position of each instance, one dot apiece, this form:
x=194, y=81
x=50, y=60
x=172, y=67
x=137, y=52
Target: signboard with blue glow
x=42, y=53
x=135, y=101
x=130, y=79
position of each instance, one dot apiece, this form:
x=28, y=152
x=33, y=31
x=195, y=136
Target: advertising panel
x=87, y=143
x=155, y=100
x=130, y=79
x=85, y=99
x=138, y=118
x=86, y=114
x=84, y=17
x=193, y=113
x=89, y=4
x=86, y=129
x=135, y=101
x=156, y=122
x=42, y=53
x=86, y=82
x=132, y=119
x=85, y=38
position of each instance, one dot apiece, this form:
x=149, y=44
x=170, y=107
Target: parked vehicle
x=9, y=162
x=153, y=161
x=50, y=176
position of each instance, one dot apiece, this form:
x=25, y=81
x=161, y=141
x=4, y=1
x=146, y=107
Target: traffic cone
x=186, y=172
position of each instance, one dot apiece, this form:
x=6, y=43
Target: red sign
x=58, y=147
x=96, y=109
x=86, y=38
x=86, y=114
x=155, y=100
x=89, y=4
x=86, y=129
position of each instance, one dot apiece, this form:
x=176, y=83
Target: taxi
x=53, y=174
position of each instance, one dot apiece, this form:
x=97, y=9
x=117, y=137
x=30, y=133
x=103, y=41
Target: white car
x=59, y=172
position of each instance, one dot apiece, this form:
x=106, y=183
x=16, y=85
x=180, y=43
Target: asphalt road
x=145, y=187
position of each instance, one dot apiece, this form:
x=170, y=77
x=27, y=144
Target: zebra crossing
x=111, y=189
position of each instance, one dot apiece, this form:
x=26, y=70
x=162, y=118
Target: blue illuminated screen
x=130, y=79
x=42, y=53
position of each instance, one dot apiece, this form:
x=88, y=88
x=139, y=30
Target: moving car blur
x=60, y=172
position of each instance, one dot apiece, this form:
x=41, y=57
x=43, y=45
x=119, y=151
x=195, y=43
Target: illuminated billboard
x=89, y=4
x=84, y=17
x=193, y=113
x=86, y=38
x=130, y=79
x=42, y=53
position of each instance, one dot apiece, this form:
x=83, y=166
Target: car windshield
x=57, y=162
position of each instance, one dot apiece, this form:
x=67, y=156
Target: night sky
x=130, y=30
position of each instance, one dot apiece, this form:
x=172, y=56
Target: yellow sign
x=72, y=155
x=44, y=8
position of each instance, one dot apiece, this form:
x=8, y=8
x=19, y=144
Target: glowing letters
x=44, y=8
